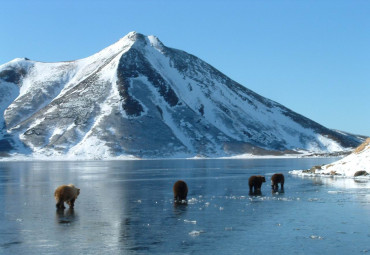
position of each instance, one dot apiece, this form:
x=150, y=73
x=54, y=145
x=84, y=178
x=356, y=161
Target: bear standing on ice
x=180, y=191
x=275, y=179
x=66, y=193
x=255, y=184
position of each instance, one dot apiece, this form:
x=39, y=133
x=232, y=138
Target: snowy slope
x=358, y=160
x=139, y=98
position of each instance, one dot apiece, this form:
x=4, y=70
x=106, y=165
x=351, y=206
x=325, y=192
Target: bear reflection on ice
x=65, y=216
x=180, y=192
x=66, y=193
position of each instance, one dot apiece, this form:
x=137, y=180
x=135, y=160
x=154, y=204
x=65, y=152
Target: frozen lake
x=126, y=207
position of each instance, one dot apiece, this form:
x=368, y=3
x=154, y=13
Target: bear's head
x=76, y=190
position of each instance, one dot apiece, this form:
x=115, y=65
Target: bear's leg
x=71, y=203
x=257, y=189
x=282, y=186
x=250, y=189
x=276, y=186
x=60, y=204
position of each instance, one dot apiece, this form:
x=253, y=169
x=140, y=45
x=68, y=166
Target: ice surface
x=126, y=207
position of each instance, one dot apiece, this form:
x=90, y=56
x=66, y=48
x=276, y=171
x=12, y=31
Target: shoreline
x=26, y=158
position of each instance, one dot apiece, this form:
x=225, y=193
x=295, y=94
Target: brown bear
x=180, y=191
x=255, y=184
x=275, y=179
x=66, y=193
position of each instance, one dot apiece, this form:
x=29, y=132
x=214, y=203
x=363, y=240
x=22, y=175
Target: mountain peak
x=142, y=40
x=135, y=36
x=132, y=39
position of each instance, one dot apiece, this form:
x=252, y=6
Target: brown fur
x=255, y=183
x=66, y=193
x=180, y=191
x=275, y=179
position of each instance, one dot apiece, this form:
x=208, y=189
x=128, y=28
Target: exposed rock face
x=360, y=173
x=138, y=97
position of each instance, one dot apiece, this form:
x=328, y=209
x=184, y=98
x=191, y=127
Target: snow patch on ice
x=195, y=233
x=191, y=221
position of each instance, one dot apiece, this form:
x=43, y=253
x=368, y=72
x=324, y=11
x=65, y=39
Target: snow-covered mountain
x=140, y=98
x=354, y=165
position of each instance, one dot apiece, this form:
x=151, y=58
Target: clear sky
x=311, y=56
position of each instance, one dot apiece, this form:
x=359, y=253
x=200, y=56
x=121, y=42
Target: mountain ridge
x=141, y=98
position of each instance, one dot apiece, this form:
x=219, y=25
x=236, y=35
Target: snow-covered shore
x=355, y=165
x=91, y=156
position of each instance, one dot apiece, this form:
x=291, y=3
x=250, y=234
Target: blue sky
x=311, y=56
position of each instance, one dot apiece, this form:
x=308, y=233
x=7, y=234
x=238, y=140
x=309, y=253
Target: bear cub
x=255, y=184
x=66, y=193
x=180, y=191
x=275, y=179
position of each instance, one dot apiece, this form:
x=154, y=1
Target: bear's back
x=66, y=192
x=277, y=178
x=256, y=179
